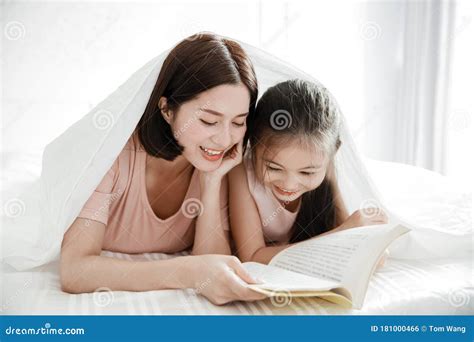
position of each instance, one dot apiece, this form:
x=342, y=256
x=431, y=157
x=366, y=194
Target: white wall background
x=59, y=59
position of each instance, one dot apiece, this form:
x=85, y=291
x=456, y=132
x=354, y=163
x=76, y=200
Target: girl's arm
x=343, y=219
x=247, y=229
x=83, y=269
x=245, y=222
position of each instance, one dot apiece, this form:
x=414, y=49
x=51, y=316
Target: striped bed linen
x=431, y=286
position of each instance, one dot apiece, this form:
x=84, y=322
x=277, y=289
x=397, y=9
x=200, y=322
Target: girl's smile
x=285, y=193
x=286, y=171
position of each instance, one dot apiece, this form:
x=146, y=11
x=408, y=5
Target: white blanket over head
x=75, y=162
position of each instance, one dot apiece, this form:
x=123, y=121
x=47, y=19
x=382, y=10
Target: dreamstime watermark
x=458, y=298
x=199, y=289
x=369, y=30
x=177, y=133
x=267, y=220
x=104, y=208
x=46, y=330
x=14, y=30
x=281, y=119
x=103, y=119
x=14, y=208
x=370, y=208
x=192, y=207
x=281, y=298
x=103, y=296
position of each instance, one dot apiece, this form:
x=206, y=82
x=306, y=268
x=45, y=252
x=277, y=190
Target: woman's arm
x=82, y=269
x=210, y=236
x=220, y=278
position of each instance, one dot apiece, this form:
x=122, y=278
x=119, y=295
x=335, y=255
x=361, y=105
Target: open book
x=336, y=267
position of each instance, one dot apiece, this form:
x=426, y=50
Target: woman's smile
x=211, y=154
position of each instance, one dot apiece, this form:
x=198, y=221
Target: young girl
x=290, y=191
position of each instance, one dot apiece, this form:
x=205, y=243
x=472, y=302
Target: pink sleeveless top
x=276, y=220
x=121, y=203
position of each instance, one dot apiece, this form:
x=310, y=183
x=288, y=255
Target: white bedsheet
x=400, y=287
x=411, y=285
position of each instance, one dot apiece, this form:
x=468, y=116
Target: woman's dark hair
x=302, y=110
x=196, y=64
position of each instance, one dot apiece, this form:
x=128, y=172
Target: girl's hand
x=384, y=257
x=231, y=158
x=222, y=279
x=360, y=218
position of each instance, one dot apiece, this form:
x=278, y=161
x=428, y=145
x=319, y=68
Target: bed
x=406, y=286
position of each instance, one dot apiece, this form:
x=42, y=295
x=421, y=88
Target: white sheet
x=439, y=208
x=404, y=286
x=74, y=163
x=424, y=287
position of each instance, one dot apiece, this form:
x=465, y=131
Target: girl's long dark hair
x=317, y=213
x=302, y=110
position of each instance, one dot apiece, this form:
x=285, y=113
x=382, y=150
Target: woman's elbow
x=69, y=286
x=70, y=278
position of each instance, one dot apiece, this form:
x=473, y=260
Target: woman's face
x=211, y=124
x=290, y=171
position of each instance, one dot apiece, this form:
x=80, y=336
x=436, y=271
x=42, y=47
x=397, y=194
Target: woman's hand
x=211, y=235
x=232, y=158
x=222, y=279
x=362, y=218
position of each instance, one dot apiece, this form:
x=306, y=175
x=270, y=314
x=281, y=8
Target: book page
x=326, y=258
x=277, y=279
x=347, y=257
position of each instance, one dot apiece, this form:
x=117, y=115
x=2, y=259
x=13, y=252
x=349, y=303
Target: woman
x=190, y=135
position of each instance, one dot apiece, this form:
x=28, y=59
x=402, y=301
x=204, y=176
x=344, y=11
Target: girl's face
x=211, y=124
x=290, y=171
